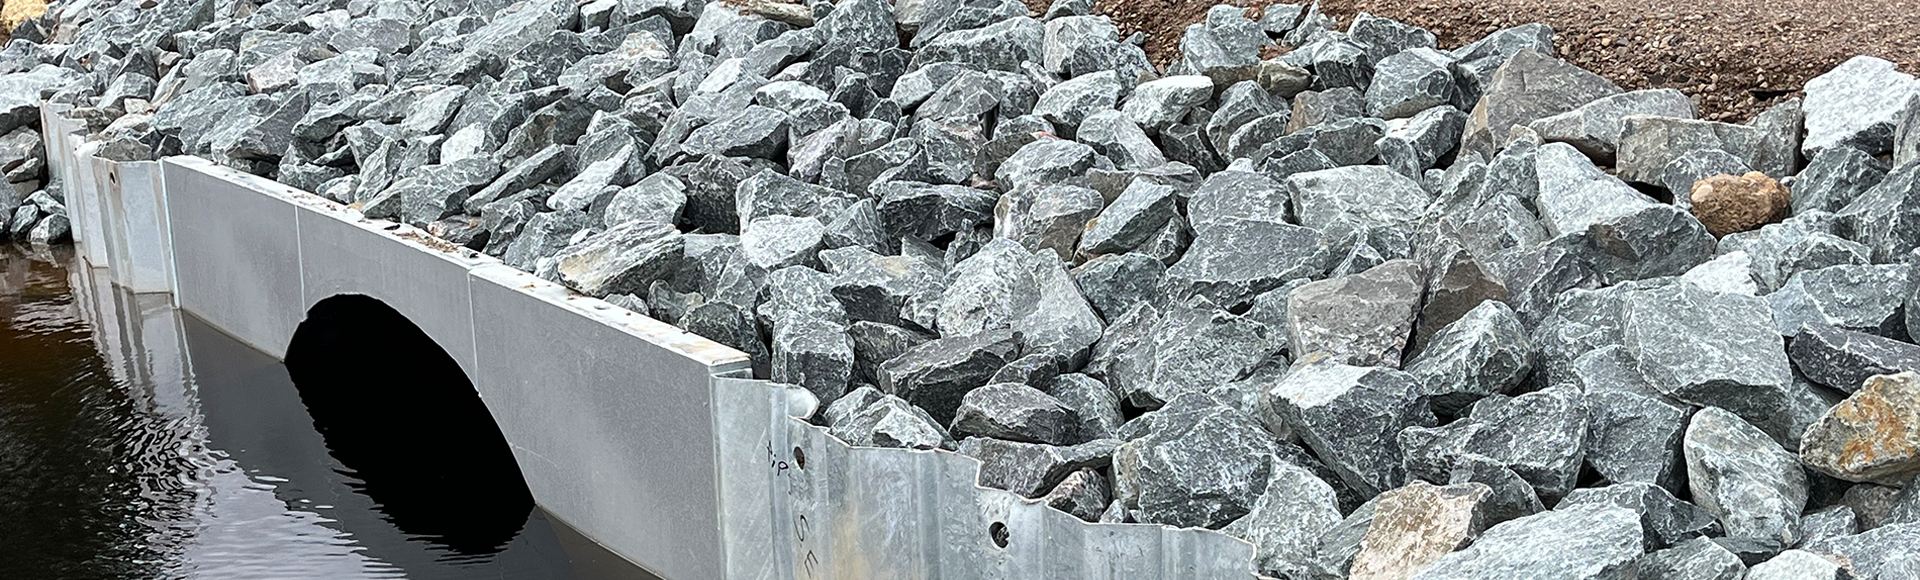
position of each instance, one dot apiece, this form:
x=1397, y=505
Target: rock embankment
x=1382, y=310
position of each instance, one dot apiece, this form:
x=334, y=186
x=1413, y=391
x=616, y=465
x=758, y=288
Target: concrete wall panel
x=612, y=429
x=238, y=258
x=135, y=205
x=341, y=254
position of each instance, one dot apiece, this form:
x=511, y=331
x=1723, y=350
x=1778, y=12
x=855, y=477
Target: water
x=137, y=442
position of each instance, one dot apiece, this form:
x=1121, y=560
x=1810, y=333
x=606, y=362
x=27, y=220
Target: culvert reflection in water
x=137, y=442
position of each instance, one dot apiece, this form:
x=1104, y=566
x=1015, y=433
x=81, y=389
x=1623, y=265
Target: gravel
x=1472, y=301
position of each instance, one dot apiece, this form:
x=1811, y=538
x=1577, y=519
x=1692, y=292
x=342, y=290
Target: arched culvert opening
x=397, y=411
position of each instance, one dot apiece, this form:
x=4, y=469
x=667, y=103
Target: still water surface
x=137, y=442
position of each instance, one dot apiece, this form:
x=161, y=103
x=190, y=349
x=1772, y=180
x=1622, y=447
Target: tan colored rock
x=1873, y=436
x=1415, y=525
x=1727, y=204
x=791, y=13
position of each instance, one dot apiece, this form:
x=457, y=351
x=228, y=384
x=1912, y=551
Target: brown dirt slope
x=1734, y=57
x=13, y=12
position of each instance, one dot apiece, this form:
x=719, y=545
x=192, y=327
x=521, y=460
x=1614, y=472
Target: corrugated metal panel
x=802, y=504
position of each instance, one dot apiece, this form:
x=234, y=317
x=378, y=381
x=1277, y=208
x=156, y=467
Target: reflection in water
x=136, y=442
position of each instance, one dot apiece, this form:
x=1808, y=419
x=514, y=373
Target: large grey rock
x=1666, y=520
x=1093, y=401
x=754, y=132
x=1385, y=37
x=992, y=289
x=1218, y=55
x=1155, y=105
x=1350, y=417
x=1594, y=128
x=1829, y=522
x=874, y=419
x=1843, y=359
x=1416, y=525
x=1032, y=469
x=1540, y=436
x=1738, y=473
x=1151, y=357
x=1872, y=436
x=1731, y=272
x=860, y=24
x=1530, y=86
x=1004, y=286
x=1360, y=319
x=1457, y=283
x=1075, y=46
x=1884, y=552
x=1887, y=217
x=1238, y=105
x=593, y=181
x=1649, y=144
x=1710, y=349
x=1779, y=251
x=1121, y=140
x=769, y=193
x=1416, y=146
x=1863, y=298
x=1044, y=162
x=1835, y=177
x=657, y=198
x=1084, y=494
x=1286, y=522
x=1231, y=194
x=896, y=290
x=1115, y=283
x=936, y=374
x=930, y=212
x=1409, y=82
x=1481, y=58
x=808, y=327
x=777, y=241
x=1485, y=352
x=1635, y=433
x=1857, y=104
x=624, y=259
x=1363, y=195
x=1072, y=101
x=1319, y=107
x=1003, y=45
x=876, y=343
x=1016, y=412
x=1236, y=259
x=1142, y=209
x=1204, y=472
x=1047, y=219
x=1797, y=565
x=1586, y=542
x=1780, y=127
x=1906, y=137
x=1699, y=558
x=1575, y=195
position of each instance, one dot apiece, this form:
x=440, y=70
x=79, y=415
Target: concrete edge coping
x=720, y=358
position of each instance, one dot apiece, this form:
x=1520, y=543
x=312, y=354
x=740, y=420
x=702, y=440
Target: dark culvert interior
x=397, y=411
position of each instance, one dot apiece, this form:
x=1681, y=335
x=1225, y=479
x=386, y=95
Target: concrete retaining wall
x=649, y=440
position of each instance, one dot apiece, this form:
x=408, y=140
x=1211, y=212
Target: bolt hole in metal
x=998, y=530
x=799, y=458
